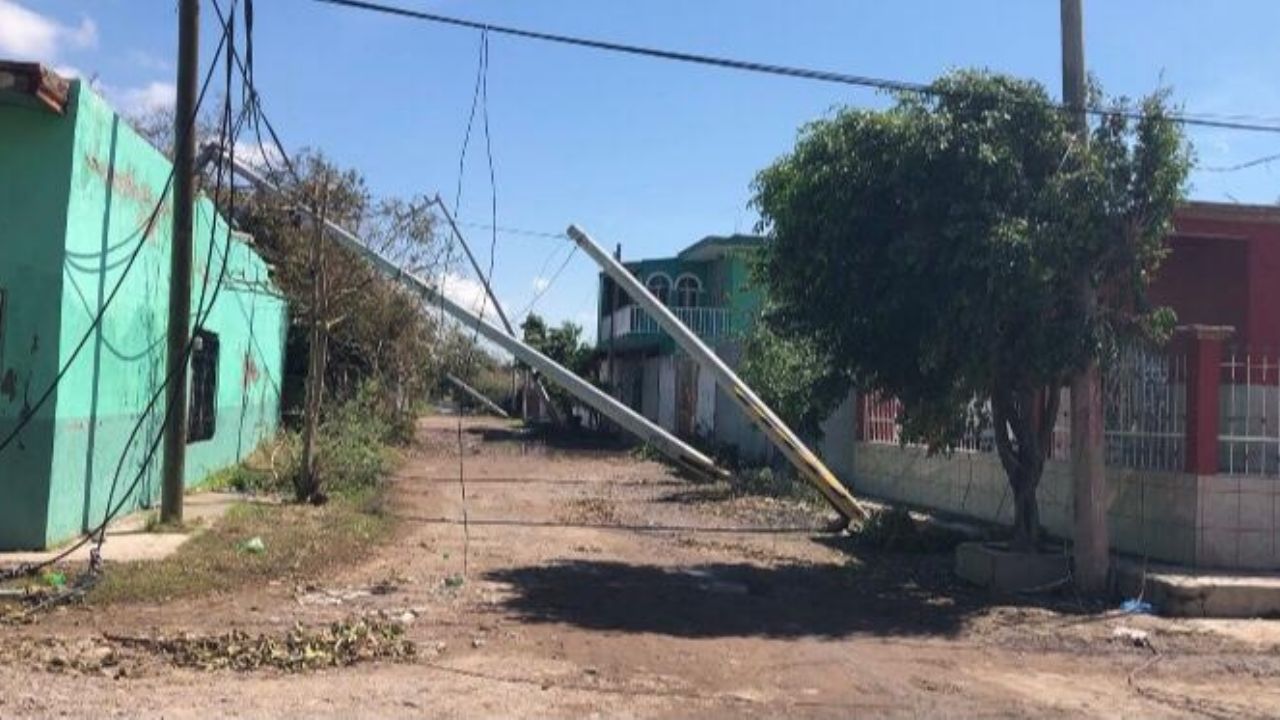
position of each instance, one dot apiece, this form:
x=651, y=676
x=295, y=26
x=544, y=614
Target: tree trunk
x=1026, y=514
x=1023, y=424
x=307, y=483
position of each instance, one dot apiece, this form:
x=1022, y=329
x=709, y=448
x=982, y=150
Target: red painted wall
x=1224, y=269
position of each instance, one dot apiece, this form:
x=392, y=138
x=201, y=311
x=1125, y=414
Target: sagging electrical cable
x=482, y=92
x=1227, y=122
x=229, y=134
x=144, y=231
x=98, y=532
x=550, y=282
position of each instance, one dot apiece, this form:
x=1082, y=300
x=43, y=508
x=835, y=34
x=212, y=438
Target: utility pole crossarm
x=805, y=461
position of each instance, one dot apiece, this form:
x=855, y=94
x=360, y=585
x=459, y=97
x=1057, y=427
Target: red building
x=1224, y=270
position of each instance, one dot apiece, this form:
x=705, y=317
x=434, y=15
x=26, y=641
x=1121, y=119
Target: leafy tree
x=794, y=375
x=935, y=252
x=564, y=345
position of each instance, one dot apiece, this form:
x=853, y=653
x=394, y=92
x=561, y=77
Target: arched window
x=660, y=286
x=688, y=288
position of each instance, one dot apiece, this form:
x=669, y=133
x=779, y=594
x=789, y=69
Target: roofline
x=1208, y=210
x=29, y=84
x=730, y=242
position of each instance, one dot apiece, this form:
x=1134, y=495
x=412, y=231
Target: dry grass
x=300, y=541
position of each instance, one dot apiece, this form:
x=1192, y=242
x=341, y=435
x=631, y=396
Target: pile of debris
x=339, y=644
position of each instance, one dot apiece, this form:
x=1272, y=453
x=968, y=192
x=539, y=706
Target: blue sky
x=648, y=153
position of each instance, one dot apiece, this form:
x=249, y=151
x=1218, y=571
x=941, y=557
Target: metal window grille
x=202, y=408
x=1144, y=398
x=1145, y=409
x=1249, y=415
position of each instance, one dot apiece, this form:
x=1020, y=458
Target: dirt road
x=585, y=583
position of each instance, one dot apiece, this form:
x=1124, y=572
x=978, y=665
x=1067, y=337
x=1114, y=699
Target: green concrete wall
x=741, y=294
x=115, y=179
x=35, y=164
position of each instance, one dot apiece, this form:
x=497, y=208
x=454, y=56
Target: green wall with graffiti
x=89, y=234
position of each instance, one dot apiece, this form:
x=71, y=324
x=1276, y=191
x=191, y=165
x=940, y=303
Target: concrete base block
x=1178, y=592
x=996, y=567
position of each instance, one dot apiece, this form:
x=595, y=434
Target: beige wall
x=1212, y=521
x=1237, y=521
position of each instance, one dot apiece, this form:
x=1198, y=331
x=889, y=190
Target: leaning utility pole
x=497, y=306
x=1088, y=468
x=626, y=418
x=809, y=466
x=184, y=178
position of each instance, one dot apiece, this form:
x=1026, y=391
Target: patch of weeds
x=299, y=541
x=762, y=481
x=894, y=530
x=354, y=445
x=336, y=645
x=646, y=451
x=266, y=471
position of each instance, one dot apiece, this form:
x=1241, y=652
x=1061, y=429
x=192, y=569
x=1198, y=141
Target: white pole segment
x=805, y=461
x=476, y=395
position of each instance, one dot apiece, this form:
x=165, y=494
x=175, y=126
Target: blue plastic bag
x=1136, y=607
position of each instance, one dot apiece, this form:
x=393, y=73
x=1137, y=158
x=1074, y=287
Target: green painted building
x=77, y=186
x=708, y=287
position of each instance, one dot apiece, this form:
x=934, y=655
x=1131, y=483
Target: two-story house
x=707, y=285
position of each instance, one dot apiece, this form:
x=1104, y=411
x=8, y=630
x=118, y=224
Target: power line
x=144, y=231
x=902, y=86
x=550, y=282
x=482, y=86
x=509, y=230
x=202, y=314
x=1265, y=160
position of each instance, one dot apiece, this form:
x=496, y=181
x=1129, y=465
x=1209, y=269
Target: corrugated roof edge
x=29, y=84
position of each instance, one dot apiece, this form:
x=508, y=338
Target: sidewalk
x=128, y=538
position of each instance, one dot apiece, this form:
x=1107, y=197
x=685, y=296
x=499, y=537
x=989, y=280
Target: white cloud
x=148, y=98
x=257, y=155
x=147, y=61
x=469, y=293
x=540, y=283
x=28, y=35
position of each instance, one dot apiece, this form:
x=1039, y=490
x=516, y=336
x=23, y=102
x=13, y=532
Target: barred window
x=203, y=407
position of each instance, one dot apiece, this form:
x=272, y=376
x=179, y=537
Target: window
x=660, y=286
x=203, y=407
x=688, y=288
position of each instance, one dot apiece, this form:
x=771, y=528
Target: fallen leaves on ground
x=336, y=645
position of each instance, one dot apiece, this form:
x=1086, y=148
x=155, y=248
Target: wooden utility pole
x=1088, y=468
x=179, y=331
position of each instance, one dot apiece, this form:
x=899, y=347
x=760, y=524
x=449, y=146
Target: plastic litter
x=1135, y=606
x=54, y=579
x=253, y=545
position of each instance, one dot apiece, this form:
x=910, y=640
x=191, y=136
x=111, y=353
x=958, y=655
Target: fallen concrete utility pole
x=810, y=467
x=493, y=298
x=679, y=452
x=475, y=395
